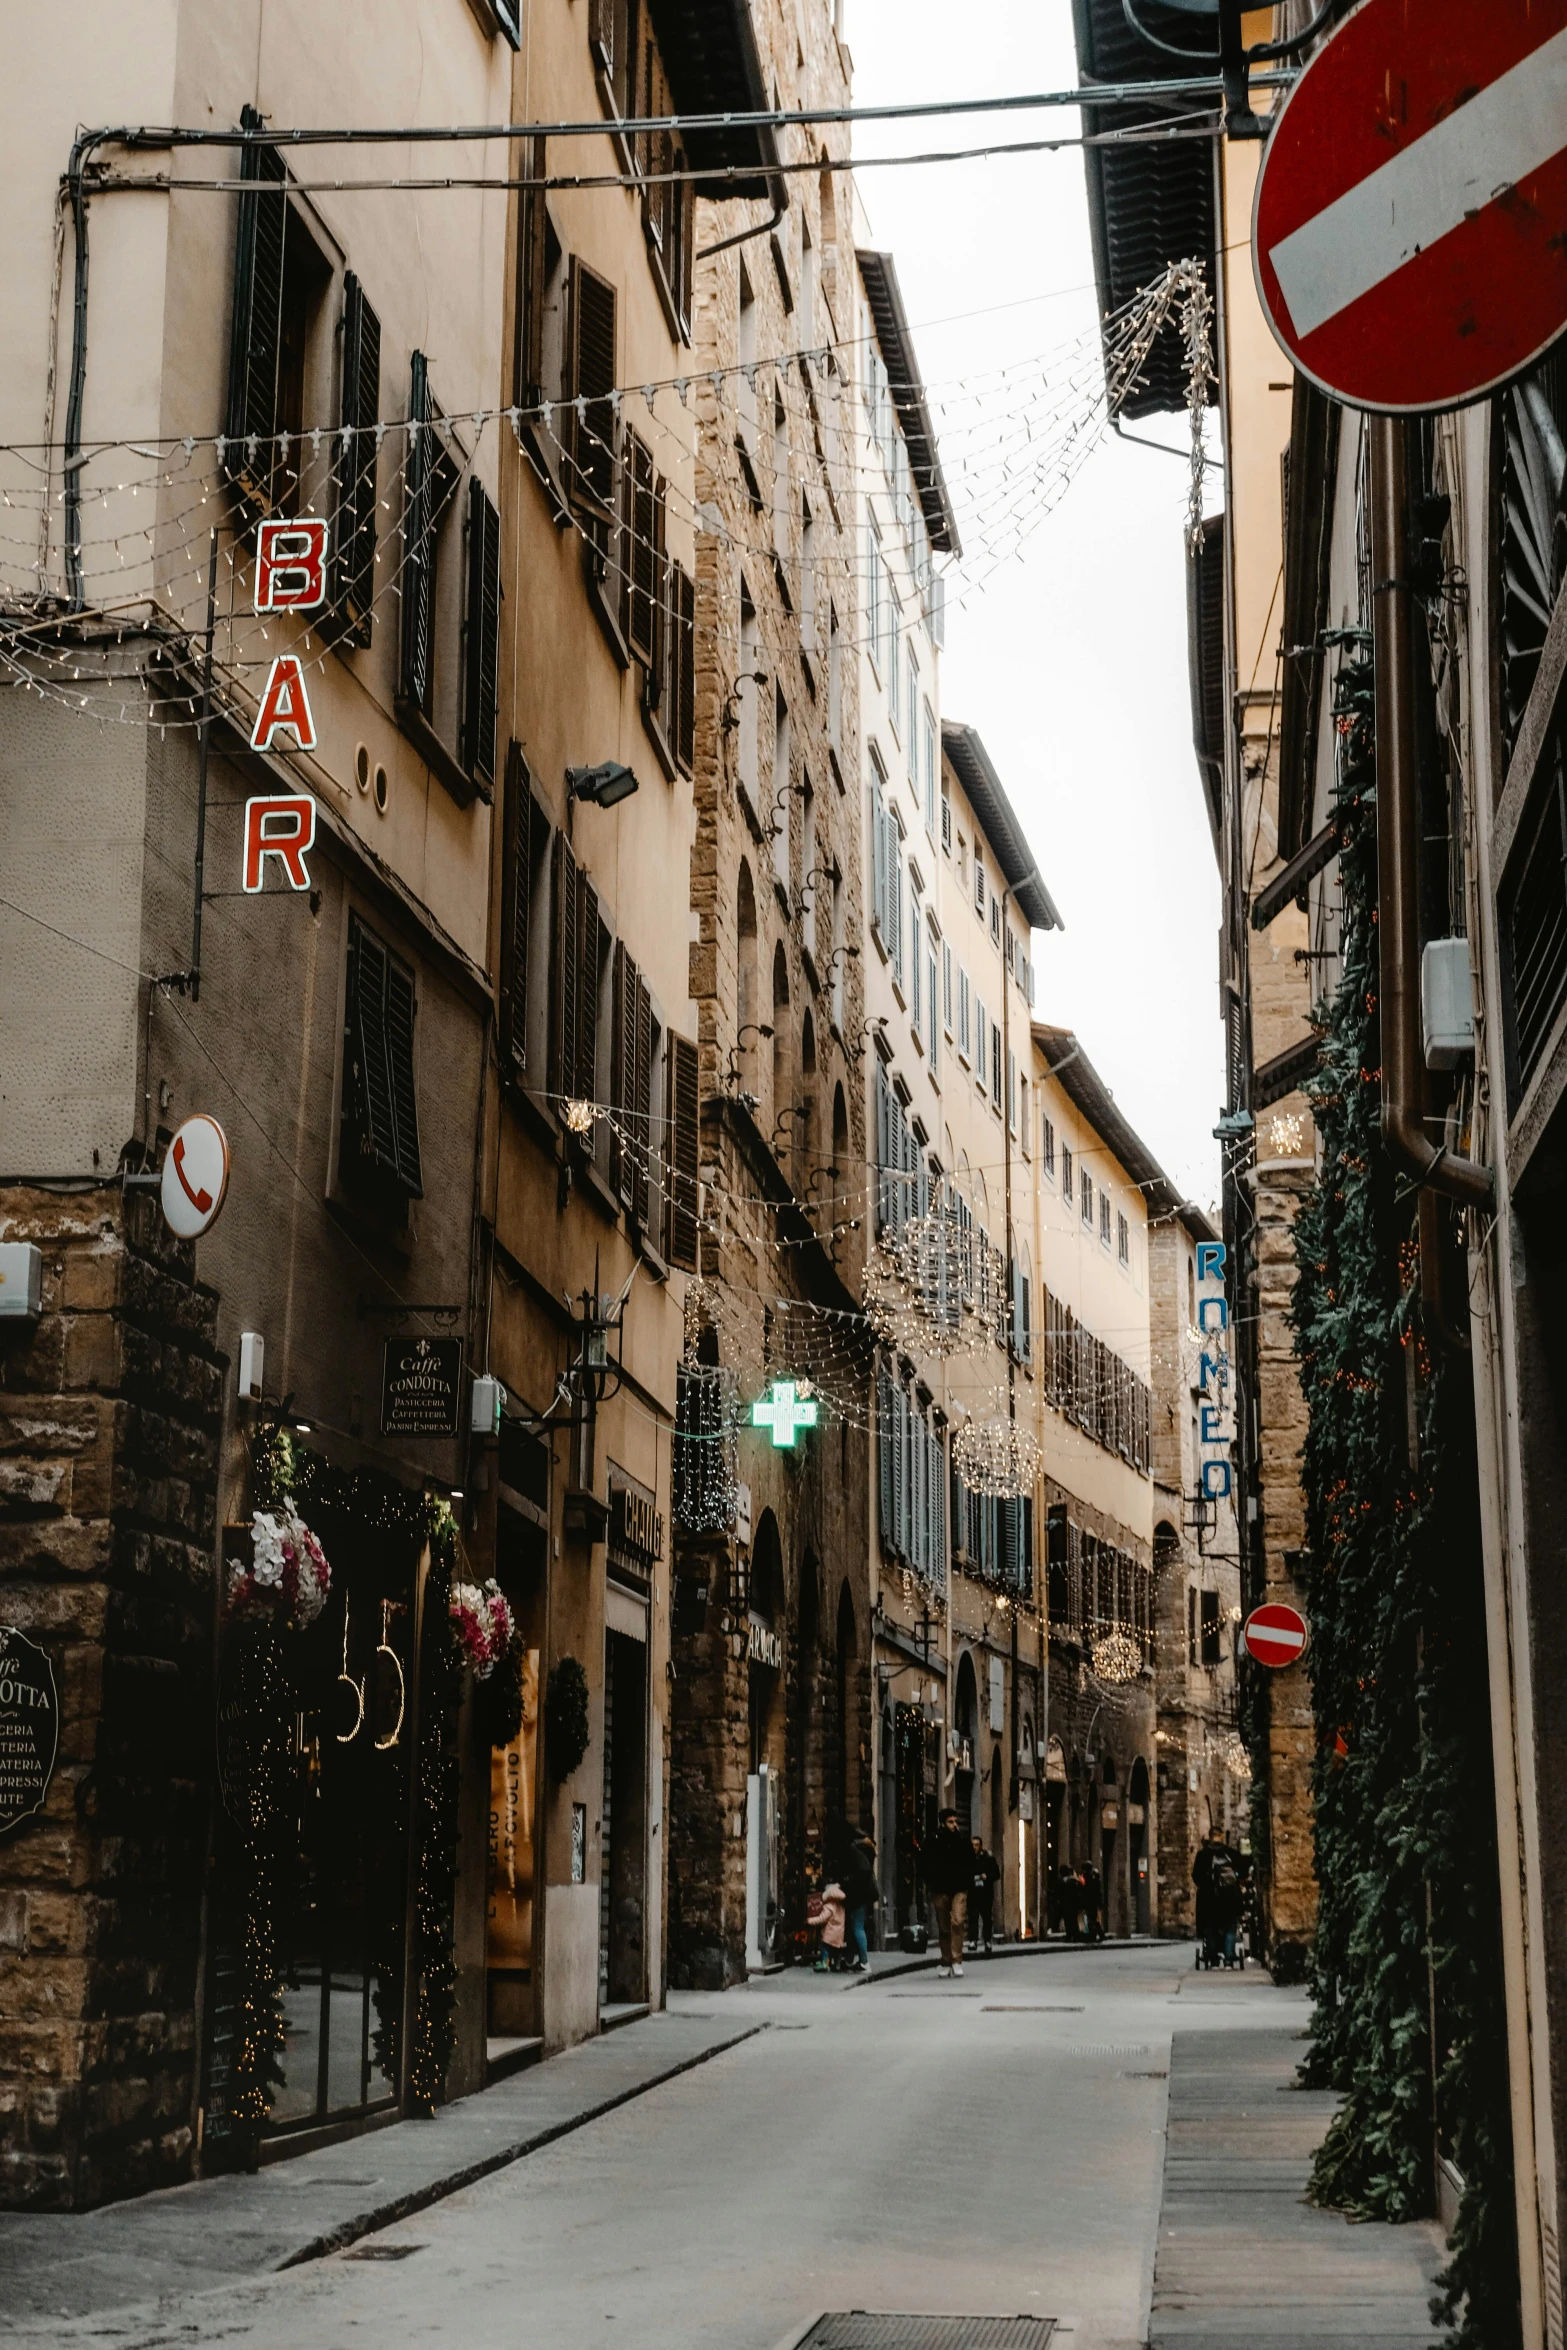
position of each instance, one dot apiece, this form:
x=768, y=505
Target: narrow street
x=1000, y=2145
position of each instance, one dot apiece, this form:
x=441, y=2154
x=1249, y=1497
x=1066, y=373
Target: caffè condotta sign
x=29, y=1725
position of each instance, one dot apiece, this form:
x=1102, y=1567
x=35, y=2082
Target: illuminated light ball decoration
x=579, y=1117
x=1287, y=1134
x=1236, y=1760
x=996, y=1458
x=1117, y=1658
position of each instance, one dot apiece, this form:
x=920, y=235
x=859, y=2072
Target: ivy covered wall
x=1406, y=1971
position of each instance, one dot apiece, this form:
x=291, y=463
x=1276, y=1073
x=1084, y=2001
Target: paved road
x=995, y=2145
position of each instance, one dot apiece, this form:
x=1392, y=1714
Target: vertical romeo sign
x=29, y=1725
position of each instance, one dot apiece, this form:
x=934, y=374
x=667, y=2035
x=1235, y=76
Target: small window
x=979, y=883
x=1191, y=1623
x=1123, y=1240
x=946, y=820
x=946, y=987
x=1047, y=1147
x=964, y=1030
x=981, y=1045
x=1086, y=1196
x=1104, y=1219
x=378, y=1146
x=995, y=920
x=1066, y=1173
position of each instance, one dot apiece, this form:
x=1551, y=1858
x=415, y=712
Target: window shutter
x=418, y=566
x=354, y=550
x=257, y=327
x=532, y=272
x=684, y=731
x=365, y=1041
x=623, y=1074
x=400, y=1007
x=683, y=1156
x=642, y=558
x=481, y=678
x=642, y=1092
x=601, y=33
x=592, y=349
x=884, y=1454
x=522, y=818
x=590, y=947
x=565, y=961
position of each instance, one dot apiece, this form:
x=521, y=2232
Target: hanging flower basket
x=482, y=1623
x=286, y=1575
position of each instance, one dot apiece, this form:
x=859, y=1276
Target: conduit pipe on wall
x=1432, y=1166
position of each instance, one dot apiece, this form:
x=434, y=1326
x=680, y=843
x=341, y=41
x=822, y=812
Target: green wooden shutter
x=684, y=1114
x=418, y=564
x=565, y=961
x=481, y=664
x=374, y=1125
x=353, y=555
x=257, y=326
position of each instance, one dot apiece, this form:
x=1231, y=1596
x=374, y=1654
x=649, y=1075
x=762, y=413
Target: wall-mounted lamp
x=604, y=786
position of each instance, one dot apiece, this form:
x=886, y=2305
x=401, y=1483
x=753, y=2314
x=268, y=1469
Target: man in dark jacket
x=860, y=1893
x=949, y=1872
x=1216, y=1875
x=982, y=1897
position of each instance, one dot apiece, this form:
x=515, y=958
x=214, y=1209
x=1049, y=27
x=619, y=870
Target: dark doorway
x=1138, y=1847
x=521, y=1560
x=846, y=1792
x=965, y=1784
x=623, y=1824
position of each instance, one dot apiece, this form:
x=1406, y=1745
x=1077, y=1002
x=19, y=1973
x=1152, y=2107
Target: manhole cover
x=883, y=2329
x=932, y=1995
x=1102, y=2048
x=1030, y=2007
x=382, y=2251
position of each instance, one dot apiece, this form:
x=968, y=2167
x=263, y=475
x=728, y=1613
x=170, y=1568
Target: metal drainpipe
x=1398, y=985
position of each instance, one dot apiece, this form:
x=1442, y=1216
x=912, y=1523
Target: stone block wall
x=110, y=1409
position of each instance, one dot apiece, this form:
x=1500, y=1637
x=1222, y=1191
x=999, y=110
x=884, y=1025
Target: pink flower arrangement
x=482, y=1621
x=287, y=1573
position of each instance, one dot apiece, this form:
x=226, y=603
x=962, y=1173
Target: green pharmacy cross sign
x=783, y=1409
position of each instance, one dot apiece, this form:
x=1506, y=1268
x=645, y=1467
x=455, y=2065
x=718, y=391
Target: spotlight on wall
x=605, y=786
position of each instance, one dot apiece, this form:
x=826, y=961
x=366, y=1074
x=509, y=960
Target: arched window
x=745, y=969
x=781, y=1068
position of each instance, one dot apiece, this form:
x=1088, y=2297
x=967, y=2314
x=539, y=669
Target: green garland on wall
x=1406, y=1972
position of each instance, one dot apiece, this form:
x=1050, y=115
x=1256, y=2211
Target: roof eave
x=1075, y=1072
x=908, y=391
x=987, y=796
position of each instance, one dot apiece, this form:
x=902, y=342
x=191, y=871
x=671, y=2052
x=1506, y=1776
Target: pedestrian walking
x=1074, y=1916
x=982, y=1896
x=1093, y=1902
x=860, y=1892
x=949, y=1873
x=1217, y=1877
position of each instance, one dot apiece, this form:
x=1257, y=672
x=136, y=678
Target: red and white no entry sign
x=195, y=1177
x=1276, y=1635
x=1408, y=232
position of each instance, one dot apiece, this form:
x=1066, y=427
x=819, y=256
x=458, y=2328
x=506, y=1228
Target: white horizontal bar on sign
x=1505, y=132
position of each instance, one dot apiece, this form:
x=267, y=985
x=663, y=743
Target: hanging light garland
x=997, y=1458
x=1117, y=1658
x=1236, y=1760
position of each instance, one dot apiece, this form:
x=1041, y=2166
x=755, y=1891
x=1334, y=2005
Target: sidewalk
x=218, y=2231
x=1241, y=2256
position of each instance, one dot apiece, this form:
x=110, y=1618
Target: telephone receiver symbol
x=200, y=1200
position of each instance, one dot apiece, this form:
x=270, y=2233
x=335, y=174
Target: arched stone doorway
x=764, y=1778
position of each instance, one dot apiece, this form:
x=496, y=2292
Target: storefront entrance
x=522, y=1550
x=623, y=1823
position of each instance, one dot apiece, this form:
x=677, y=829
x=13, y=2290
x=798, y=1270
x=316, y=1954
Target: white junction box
x=21, y=1281
x=489, y=1401
x=252, y=1365
x=1447, y=1012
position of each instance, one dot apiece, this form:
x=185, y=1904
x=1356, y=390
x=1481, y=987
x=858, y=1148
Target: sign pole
x=201, y=771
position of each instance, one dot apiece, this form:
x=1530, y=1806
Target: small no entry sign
x=1276, y=1635
x=1407, y=235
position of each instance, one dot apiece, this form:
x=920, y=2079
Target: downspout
x=1398, y=927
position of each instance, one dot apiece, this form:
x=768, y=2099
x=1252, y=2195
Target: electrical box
x=252, y=1365
x=489, y=1398
x=1447, y=1015
x=21, y=1281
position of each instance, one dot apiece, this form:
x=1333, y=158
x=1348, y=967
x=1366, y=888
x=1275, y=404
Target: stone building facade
x=770, y=1722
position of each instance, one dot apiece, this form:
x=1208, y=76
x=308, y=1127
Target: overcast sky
x=1072, y=663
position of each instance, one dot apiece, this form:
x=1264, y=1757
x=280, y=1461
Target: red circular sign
x=1276, y=1635
x=1407, y=235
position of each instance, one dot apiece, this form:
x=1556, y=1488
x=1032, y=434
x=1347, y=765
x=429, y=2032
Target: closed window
x=1086, y=1196
x=1066, y=1173
x=1047, y=1146
x=946, y=810
x=995, y=1065
x=1123, y=1239
x=946, y=987
x=932, y=1022
x=964, y=1029
x=683, y=1176
x=981, y=1044
x=1212, y=1630
x=379, y=1135
x=451, y=591
x=354, y=532
x=979, y=884
x=1104, y=1219
x=280, y=343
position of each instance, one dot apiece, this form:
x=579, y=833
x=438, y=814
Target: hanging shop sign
x=784, y=1409
x=636, y=1527
x=29, y=1725
x=1215, y=1470
x=1406, y=234
x=291, y=564
x=285, y=709
x=1276, y=1635
x=281, y=825
x=764, y=1646
x=421, y=1386
x=195, y=1177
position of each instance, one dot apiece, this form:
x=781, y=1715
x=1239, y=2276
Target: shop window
x=379, y=1139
